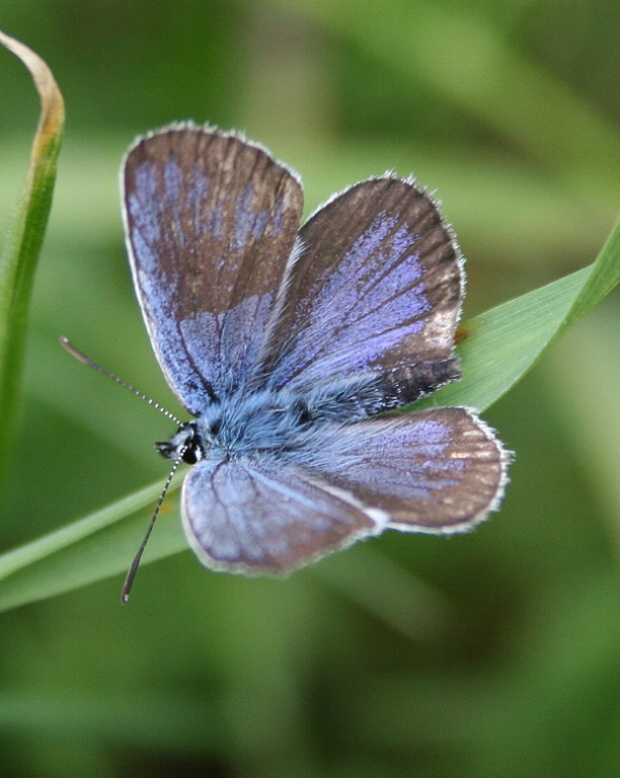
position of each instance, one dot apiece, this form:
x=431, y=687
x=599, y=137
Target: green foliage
x=491, y=654
x=20, y=252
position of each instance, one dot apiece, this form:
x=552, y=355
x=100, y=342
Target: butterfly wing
x=259, y=515
x=210, y=223
x=440, y=470
x=435, y=471
x=375, y=289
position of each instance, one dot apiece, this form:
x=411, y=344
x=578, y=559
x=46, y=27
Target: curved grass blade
x=502, y=346
x=87, y=550
x=20, y=253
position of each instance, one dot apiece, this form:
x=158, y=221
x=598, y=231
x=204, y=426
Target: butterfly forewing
x=211, y=222
x=376, y=288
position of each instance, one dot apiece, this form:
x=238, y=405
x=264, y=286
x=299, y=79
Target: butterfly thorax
x=242, y=424
x=284, y=420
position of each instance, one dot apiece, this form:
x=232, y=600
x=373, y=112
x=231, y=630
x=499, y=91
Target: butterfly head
x=187, y=444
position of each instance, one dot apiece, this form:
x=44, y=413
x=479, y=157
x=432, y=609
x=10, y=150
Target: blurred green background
x=491, y=654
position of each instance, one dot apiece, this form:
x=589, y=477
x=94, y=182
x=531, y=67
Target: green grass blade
x=90, y=549
x=21, y=250
x=604, y=277
x=502, y=344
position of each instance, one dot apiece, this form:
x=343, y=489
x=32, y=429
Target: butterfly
x=292, y=349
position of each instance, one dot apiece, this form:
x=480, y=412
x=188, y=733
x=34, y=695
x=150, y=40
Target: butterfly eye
x=192, y=455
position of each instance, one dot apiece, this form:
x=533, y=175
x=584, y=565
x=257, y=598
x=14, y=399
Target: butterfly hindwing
x=255, y=514
x=439, y=470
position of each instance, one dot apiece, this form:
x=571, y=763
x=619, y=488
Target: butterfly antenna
x=126, y=590
x=68, y=346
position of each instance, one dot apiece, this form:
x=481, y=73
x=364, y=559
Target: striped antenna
x=68, y=346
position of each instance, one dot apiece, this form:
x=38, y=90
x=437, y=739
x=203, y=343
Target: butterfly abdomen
x=282, y=420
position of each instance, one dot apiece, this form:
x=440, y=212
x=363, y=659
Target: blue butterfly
x=290, y=346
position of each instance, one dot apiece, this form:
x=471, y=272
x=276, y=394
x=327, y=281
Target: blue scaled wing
x=257, y=514
x=439, y=470
x=435, y=471
x=210, y=223
x=376, y=287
